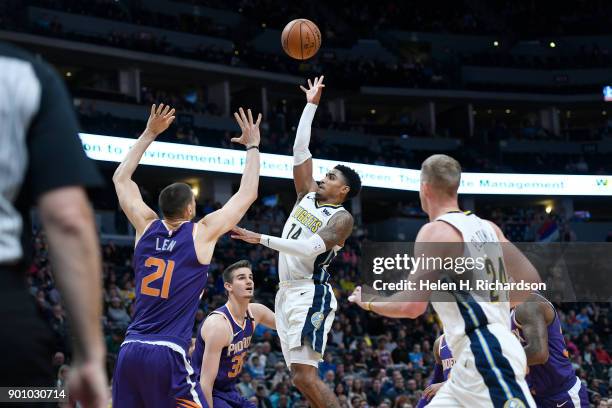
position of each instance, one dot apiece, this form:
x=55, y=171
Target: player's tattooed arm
x=534, y=317
x=337, y=230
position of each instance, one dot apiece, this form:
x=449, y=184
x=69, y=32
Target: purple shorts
x=154, y=375
x=230, y=399
x=575, y=397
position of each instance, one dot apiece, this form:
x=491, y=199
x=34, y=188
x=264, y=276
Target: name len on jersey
x=308, y=220
x=166, y=245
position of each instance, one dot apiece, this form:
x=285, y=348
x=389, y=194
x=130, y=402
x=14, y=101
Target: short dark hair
x=228, y=273
x=352, y=180
x=174, y=198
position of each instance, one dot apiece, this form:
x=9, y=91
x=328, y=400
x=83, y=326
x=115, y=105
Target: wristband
x=252, y=147
x=369, y=306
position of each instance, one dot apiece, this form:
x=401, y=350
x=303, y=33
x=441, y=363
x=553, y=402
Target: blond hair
x=442, y=172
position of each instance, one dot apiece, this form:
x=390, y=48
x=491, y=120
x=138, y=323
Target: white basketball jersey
x=470, y=310
x=306, y=219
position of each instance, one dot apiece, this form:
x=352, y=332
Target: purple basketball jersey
x=169, y=283
x=447, y=359
x=441, y=371
x=232, y=357
x=557, y=374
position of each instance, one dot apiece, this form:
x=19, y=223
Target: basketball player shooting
x=551, y=377
x=315, y=231
x=171, y=261
x=490, y=364
x=224, y=339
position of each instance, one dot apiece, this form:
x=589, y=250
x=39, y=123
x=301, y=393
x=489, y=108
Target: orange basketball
x=301, y=39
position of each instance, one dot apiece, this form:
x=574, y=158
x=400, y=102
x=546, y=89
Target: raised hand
x=250, y=130
x=160, y=119
x=313, y=93
x=245, y=235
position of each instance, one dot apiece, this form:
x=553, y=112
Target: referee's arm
x=58, y=171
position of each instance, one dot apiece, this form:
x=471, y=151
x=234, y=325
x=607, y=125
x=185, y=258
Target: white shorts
x=489, y=372
x=304, y=314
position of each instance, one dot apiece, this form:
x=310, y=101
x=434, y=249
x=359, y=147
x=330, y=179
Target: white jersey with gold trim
x=305, y=220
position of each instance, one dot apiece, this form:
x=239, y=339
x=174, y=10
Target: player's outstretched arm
x=337, y=230
x=518, y=267
x=413, y=303
x=139, y=214
x=302, y=159
x=219, y=222
x=216, y=334
x=263, y=315
x=534, y=318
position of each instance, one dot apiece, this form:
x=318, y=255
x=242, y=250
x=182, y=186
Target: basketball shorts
x=304, y=316
x=575, y=397
x=230, y=399
x=154, y=374
x=489, y=372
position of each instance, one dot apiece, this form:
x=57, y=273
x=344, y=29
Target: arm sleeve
x=56, y=155
x=302, y=136
x=306, y=248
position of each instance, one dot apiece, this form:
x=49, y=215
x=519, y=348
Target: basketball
x=301, y=39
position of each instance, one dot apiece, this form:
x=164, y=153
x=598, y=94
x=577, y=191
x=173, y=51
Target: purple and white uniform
x=441, y=371
x=152, y=367
x=225, y=394
x=554, y=383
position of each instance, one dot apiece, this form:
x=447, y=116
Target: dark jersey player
x=225, y=336
x=171, y=260
x=551, y=377
x=442, y=368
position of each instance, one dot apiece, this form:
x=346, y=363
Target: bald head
x=442, y=173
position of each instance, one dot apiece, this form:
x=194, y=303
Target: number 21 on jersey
x=164, y=270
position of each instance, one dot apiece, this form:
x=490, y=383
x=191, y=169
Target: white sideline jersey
x=480, y=308
x=305, y=220
x=490, y=363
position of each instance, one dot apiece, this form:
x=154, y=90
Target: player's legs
x=155, y=376
x=306, y=379
x=126, y=377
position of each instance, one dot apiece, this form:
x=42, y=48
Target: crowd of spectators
x=370, y=361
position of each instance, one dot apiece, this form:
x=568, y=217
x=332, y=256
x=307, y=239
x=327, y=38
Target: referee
x=42, y=163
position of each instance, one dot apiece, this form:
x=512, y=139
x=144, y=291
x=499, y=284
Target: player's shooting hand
x=87, y=384
x=314, y=91
x=431, y=390
x=245, y=235
x=160, y=119
x=250, y=130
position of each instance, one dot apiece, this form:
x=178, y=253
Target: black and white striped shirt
x=39, y=145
